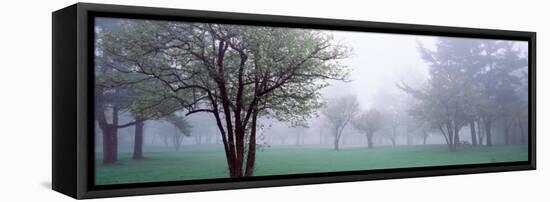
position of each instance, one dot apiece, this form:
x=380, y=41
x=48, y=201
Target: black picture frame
x=73, y=79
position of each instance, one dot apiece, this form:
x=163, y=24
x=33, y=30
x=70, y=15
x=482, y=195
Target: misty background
x=379, y=62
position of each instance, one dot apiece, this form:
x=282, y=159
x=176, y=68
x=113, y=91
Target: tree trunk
x=251, y=158
x=449, y=136
x=228, y=148
x=424, y=137
x=337, y=135
x=239, y=161
x=114, y=146
x=369, y=140
x=235, y=151
x=239, y=138
x=114, y=137
x=480, y=133
x=473, y=132
x=451, y=144
x=109, y=131
x=394, y=136
x=110, y=135
x=457, y=135
x=393, y=141
x=138, y=141
x=336, y=141
x=488, y=133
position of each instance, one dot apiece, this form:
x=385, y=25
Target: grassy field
x=205, y=162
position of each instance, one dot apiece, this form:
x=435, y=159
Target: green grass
x=207, y=162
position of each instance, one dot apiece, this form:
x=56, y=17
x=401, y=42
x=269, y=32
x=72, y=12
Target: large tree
x=121, y=92
x=445, y=102
x=235, y=73
x=500, y=85
x=111, y=101
x=117, y=96
x=471, y=80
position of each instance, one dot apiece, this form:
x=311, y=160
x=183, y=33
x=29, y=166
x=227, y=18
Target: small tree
x=369, y=122
x=339, y=112
x=395, y=121
x=183, y=129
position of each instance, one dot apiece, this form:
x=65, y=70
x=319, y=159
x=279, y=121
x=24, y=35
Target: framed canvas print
x=154, y=100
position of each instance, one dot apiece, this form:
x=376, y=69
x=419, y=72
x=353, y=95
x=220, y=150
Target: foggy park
x=188, y=101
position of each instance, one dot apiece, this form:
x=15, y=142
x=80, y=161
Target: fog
x=200, y=101
x=378, y=62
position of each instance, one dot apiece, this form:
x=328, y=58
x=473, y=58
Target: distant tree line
x=476, y=84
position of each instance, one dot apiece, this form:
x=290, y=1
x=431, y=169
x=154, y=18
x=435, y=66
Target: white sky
x=378, y=62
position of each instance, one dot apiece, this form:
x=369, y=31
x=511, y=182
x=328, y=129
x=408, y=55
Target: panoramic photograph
x=182, y=101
